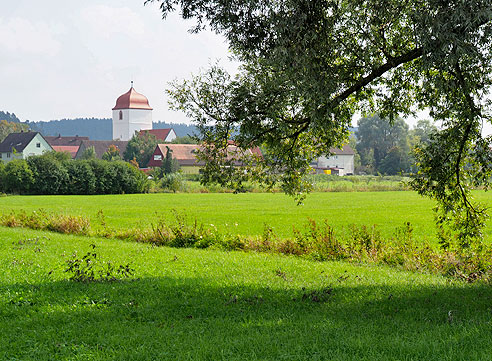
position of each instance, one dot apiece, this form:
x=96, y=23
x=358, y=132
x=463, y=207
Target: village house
x=23, y=145
x=185, y=154
x=66, y=144
x=339, y=162
x=101, y=147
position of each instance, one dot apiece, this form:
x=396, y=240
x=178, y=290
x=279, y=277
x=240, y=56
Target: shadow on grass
x=187, y=319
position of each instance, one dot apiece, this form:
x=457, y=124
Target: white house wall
x=345, y=161
x=30, y=150
x=171, y=136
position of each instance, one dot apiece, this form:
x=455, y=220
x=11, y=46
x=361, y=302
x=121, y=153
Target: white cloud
x=19, y=35
x=107, y=21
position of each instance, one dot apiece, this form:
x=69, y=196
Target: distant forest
x=9, y=117
x=94, y=128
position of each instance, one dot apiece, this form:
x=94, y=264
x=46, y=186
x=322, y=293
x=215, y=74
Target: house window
x=158, y=157
x=8, y=155
x=0, y=155
x=38, y=145
x=121, y=115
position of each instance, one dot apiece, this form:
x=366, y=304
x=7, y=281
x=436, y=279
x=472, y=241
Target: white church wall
x=132, y=120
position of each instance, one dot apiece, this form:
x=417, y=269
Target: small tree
x=89, y=153
x=140, y=148
x=112, y=153
x=169, y=165
x=7, y=127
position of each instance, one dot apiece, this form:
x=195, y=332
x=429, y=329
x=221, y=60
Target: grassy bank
x=187, y=304
x=247, y=214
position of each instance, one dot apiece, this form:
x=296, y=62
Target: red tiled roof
x=65, y=141
x=185, y=153
x=132, y=100
x=72, y=149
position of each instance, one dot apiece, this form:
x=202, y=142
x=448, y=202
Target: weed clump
x=90, y=269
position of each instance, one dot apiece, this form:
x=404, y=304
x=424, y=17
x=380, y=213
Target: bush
x=2, y=177
x=172, y=182
x=81, y=178
x=51, y=176
x=18, y=177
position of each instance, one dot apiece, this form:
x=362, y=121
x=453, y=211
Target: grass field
x=247, y=214
x=185, y=304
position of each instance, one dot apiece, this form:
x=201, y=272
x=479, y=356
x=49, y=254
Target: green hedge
x=56, y=174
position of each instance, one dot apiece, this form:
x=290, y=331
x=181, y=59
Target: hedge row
x=53, y=173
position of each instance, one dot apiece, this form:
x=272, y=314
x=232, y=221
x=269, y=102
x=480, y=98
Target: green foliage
x=172, y=182
x=140, y=148
x=383, y=146
x=7, y=127
x=111, y=154
x=2, y=178
x=308, y=66
x=81, y=177
x=89, y=153
x=169, y=164
x=55, y=173
x=50, y=175
x=18, y=177
x=90, y=268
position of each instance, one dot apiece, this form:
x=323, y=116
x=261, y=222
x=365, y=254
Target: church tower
x=131, y=113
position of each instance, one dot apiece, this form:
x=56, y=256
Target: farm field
x=188, y=304
x=247, y=213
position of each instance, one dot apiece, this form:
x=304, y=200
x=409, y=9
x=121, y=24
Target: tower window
x=121, y=115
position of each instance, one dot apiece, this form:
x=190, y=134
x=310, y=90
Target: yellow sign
x=327, y=171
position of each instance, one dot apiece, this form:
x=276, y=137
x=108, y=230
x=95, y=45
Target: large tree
x=383, y=145
x=310, y=65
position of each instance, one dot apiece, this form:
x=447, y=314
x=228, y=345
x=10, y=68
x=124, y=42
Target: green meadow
x=192, y=304
x=247, y=213
x=188, y=304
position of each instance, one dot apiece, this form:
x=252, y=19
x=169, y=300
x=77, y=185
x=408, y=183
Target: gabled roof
x=101, y=146
x=65, y=141
x=346, y=150
x=72, y=149
x=132, y=100
x=185, y=154
x=19, y=141
x=160, y=134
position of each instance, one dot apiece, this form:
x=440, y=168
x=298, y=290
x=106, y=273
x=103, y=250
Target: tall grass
x=361, y=244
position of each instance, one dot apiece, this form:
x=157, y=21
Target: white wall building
x=132, y=113
x=23, y=145
x=341, y=160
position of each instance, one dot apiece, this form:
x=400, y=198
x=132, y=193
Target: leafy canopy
x=310, y=65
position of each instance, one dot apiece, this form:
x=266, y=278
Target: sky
x=69, y=59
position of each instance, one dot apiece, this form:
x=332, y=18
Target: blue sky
x=67, y=59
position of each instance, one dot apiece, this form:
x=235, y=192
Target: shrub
x=172, y=182
x=51, y=176
x=18, y=177
x=81, y=178
x=90, y=268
